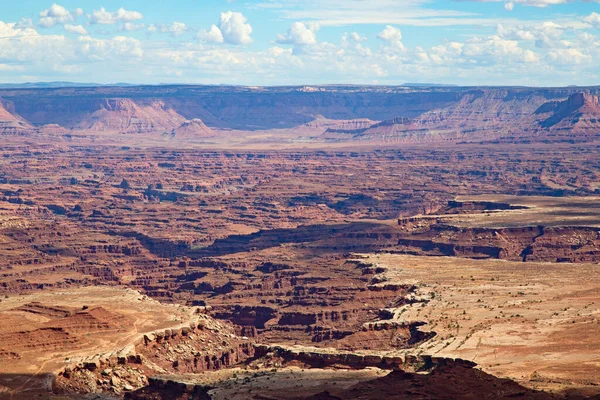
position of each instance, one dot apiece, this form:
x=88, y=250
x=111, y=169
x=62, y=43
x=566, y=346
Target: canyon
x=338, y=242
x=319, y=115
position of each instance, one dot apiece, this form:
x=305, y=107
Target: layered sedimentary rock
x=192, y=129
x=329, y=114
x=128, y=116
x=10, y=122
x=579, y=114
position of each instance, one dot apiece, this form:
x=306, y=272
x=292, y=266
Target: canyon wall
x=336, y=112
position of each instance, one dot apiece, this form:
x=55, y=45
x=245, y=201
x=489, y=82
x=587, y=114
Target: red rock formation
x=127, y=116
x=191, y=129
x=579, y=114
x=10, y=122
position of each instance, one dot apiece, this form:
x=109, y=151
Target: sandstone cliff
x=127, y=116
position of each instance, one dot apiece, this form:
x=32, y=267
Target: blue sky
x=280, y=42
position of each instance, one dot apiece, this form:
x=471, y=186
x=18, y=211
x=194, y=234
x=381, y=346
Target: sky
x=302, y=42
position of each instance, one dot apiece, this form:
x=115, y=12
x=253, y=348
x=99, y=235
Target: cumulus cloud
x=100, y=49
x=104, y=17
x=54, y=15
x=515, y=33
x=78, y=29
x=530, y=57
x=546, y=34
x=132, y=26
x=25, y=23
x=234, y=28
x=351, y=45
x=175, y=29
x=354, y=37
x=32, y=52
x=493, y=46
x=392, y=36
x=570, y=56
x=213, y=35
x=561, y=50
x=593, y=19
x=299, y=34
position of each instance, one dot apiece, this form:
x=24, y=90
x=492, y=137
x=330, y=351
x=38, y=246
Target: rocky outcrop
x=191, y=129
x=126, y=116
x=195, y=347
x=10, y=122
x=342, y=113
x=580, y=112
x=320, y=359
x=529, y=243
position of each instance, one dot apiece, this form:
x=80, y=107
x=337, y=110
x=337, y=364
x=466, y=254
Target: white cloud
x=569, y=56
x=527, y=52
x=213, y=35
x=175, y=29
x=25, y=23
x=27, y=49
x=515, y=33
x=349, y=12
x=132, y=26
x=546, y=34
x=56, y=14
x=234, y=28
x=104, y=17
x=509, y=6
x=593, y=19
x=530, y=57
x=392, y=36
x=78, y=12
x=299, y=34
x=8, y=67
x=493, y=46
x=78, y=29
x=101, y=49
x=354, y=37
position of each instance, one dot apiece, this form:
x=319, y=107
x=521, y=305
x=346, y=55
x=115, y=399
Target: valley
x=339, y=242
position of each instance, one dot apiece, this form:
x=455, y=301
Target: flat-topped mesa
x=581, y=99
x=10, y=122
x=126, y=116
x=7, y=112
x=191, y=129
x=579, y=112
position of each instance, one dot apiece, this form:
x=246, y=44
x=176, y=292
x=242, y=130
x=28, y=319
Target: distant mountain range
x=322, y=113
x=42, y=85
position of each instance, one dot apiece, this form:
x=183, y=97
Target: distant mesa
x=332, y=114
x=126, y=116
x=191, y=129
x=10, y=122
x=54, y=129
x=8, y=113
x=580, y=112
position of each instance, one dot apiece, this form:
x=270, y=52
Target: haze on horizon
x=292, y=42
